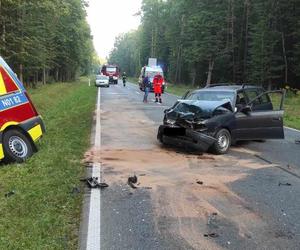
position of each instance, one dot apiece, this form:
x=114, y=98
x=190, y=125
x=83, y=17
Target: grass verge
x=44, y=213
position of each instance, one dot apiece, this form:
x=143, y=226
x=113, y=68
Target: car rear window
x=101, y=77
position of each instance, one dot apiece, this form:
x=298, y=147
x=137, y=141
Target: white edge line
x=93, y=234
x=293, y=129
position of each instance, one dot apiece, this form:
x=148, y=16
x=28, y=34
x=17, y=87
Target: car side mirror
x=246, y=109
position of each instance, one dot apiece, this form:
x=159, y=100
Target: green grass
x=292, y=111
x=43, y=214
x=179, y=90
x=133, y=80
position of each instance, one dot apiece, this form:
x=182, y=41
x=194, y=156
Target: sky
x=108, y=19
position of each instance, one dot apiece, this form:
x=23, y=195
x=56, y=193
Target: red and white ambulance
x=20, y=124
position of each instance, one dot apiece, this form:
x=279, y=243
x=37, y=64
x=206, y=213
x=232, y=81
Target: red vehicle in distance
x=112, y=71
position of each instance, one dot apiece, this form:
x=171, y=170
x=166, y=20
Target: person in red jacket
x=157, y=86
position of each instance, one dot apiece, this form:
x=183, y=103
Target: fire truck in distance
x=112, y=71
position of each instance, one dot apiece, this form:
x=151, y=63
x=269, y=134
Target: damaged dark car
x=216, y=117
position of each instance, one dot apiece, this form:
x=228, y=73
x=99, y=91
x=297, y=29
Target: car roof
x=229, y=87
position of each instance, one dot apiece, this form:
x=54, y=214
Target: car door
x=261, y=121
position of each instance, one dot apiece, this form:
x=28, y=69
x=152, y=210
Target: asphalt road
x=240, y=205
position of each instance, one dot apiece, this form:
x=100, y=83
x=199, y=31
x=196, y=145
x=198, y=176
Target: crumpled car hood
x=194, y=109
x=192, y=113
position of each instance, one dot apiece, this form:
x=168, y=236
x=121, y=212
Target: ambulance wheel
x=17, y=147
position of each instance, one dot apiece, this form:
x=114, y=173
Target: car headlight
x=170, y=121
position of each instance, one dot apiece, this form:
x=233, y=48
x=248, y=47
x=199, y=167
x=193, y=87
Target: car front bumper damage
x=184, y=137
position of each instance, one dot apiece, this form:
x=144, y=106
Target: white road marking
x=137, y=92
x=295, y=130
x=93, y=235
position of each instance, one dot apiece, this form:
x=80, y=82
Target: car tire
x=222, y=145
x=160, y=135
x=17, y=146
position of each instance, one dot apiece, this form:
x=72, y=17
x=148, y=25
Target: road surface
x=239, y=203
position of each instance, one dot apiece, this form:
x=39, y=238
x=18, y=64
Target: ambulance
x=20, y=124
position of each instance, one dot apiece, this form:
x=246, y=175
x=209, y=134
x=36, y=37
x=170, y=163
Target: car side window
x=241, y=99
x=263, y=103
x=265, y=99
x=252, y=94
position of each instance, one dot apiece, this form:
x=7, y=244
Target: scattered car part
x=94, y=183
x=10, y=193
x=132, y=180
x=75, y=190
x=211, y=235
x=284, y=184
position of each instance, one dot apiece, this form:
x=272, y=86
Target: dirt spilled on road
x=191, y=193
x=178, y=199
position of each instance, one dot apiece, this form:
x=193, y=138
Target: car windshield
x=111, y=69
x=151, y=74
x=212, y=96
x=101, y=77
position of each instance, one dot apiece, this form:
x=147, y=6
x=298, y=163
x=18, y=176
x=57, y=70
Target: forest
x=200, y=42
x=47, y=40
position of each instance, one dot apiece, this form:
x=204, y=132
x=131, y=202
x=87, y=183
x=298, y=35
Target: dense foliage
x=204, y=41
x=45, y=40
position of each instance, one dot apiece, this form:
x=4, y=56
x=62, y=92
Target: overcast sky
x=109, y=18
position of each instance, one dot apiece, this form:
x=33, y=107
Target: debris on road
x=88, y=164
x=10, y=193
x=75, y=190
x=284, y=184
x=211, y=235
x=131, y=181
x=200, y=182
x=94, y=183
x=211, y=217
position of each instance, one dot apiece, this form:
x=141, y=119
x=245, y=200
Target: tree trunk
x=247, y=12
x=194, y=74
x=211, y=64
x=232, y=42
x=285, y=58
x=21, y=72
x=178, y=65
x=44, y=75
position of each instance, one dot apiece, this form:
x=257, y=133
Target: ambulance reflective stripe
x=2, y=86
x=1, y=152
x=11, y=101
x=35, y=132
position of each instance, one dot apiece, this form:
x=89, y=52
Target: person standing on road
x=124, y=76
x=157, y=86
x=146, y=83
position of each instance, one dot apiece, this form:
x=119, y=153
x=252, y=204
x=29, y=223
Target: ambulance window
x=6, y=82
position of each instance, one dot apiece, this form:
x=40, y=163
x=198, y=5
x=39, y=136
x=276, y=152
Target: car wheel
x=17, y=147
x=221, y=146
